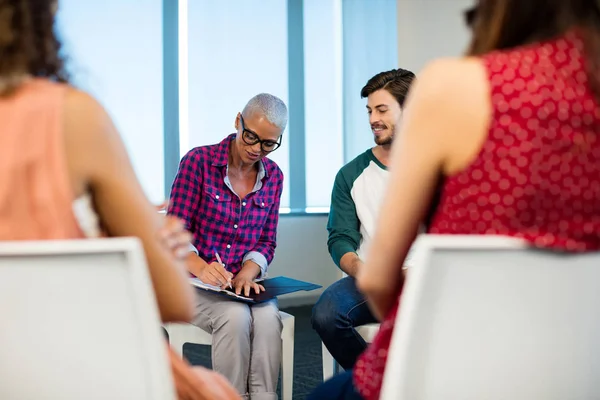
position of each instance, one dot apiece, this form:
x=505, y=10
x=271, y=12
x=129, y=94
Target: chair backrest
x=487, y=317
x=80, y=321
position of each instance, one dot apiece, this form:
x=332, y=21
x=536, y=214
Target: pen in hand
x=221, y=262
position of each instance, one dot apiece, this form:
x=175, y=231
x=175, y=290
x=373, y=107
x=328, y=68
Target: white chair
x=179, y=334
x=330, y=366
x=80, y=321
x=487, y=317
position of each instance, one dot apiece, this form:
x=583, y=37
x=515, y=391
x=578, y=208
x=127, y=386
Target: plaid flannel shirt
x=239, y=229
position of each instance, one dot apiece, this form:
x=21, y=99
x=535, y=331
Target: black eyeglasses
x=251, y=138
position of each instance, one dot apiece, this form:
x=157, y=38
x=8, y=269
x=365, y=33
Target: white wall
x=302, y=254
x=429, y=29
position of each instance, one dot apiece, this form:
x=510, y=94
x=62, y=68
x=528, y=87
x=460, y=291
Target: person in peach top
x=65, y=173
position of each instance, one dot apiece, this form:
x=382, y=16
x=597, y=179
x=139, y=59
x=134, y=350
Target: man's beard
x=384, y=141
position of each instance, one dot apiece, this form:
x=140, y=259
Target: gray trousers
x=246, y=342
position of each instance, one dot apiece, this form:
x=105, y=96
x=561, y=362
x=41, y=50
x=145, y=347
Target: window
x=346, y=42
x=236, y=49
x=322, y=99
x=370, y=47
x=120, y=63
x=222, y=53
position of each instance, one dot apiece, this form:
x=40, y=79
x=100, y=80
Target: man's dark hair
x=396, y=82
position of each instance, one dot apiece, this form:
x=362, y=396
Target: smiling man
x=228, y=195
x=358, y=189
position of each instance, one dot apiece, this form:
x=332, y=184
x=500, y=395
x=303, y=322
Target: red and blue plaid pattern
x=215, y=215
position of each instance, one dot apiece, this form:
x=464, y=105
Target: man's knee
x=324, y=313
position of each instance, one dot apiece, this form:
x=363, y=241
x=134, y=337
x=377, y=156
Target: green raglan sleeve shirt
x=343, y=224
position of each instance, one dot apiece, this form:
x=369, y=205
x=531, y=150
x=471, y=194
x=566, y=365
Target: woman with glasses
x=228, y=195
x=509, y=135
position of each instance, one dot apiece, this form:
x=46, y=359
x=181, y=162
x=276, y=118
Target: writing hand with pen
x=215, y=273
x=244, y=280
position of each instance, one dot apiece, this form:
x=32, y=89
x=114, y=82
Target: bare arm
x=350, y=263
x=98, y=162
x=199, y=383
x=427, y=148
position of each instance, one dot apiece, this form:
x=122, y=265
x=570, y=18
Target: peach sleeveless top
x=36, y=199
x=35, y=194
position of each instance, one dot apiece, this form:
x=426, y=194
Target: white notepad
x=199, y=284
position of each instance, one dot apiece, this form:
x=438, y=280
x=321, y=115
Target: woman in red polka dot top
x=510, y=136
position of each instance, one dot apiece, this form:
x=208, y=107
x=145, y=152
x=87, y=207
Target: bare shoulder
x=81, y=107
x=450, y=105
x=79, y=97
x=86, y=120
x=452, y=79
x=452, y=65
x=90, y=137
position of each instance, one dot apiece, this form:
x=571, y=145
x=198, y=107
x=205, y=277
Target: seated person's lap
x=214, y=312
x=339, y=310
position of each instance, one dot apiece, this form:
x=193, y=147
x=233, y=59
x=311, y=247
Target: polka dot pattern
x=537, y=176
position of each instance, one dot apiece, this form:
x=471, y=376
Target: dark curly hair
x=396, y=81
x=29, y=46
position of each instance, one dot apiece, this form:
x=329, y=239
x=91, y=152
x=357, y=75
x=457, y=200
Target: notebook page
x=198, y=283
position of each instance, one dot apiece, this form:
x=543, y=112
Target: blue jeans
x=340, y=387
x=339, y=310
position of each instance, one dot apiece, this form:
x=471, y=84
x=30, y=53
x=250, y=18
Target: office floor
x=308, y=371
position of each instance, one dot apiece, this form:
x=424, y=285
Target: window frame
x=175, y=86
